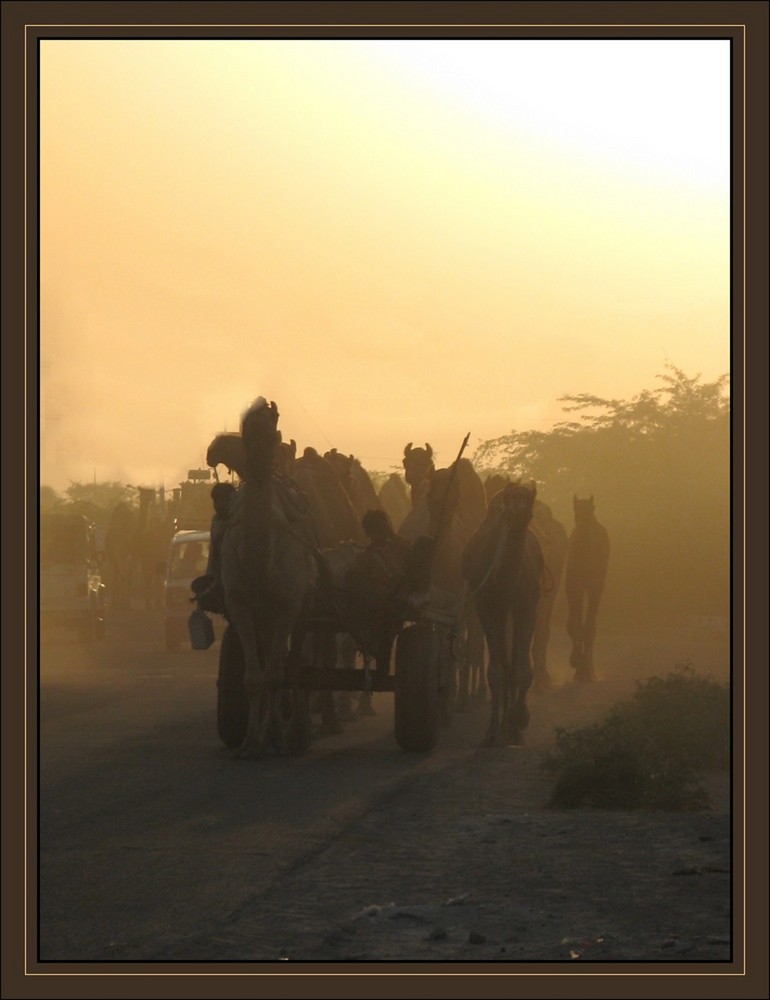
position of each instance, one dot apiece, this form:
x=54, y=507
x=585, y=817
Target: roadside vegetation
x=650, y=751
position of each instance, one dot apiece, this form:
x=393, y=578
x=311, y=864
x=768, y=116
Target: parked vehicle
x=187, y=559
x=71, y=589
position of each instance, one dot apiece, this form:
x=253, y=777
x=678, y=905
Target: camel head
x=583, y=509
x=227, y=449
x=494, y=483
x=285, y=455
x=418, y=462
x=342, y=465
x=514, y=503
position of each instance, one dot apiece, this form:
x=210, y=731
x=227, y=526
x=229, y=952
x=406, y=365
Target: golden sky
x=394, y=240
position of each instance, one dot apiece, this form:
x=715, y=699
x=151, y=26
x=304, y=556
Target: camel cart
x=417, y=667
x=410, y=646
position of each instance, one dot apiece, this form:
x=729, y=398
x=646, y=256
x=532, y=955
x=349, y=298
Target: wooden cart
x=420, y=675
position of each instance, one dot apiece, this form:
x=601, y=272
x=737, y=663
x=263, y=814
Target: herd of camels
x=490, y=554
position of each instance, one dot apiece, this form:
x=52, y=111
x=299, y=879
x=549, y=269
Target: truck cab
x=187, y=559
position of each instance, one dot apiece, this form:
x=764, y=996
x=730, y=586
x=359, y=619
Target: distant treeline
x=658, y=466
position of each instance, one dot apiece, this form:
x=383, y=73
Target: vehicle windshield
x=188, y=560
x=63, y=541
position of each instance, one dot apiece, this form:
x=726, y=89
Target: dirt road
x=155, y=845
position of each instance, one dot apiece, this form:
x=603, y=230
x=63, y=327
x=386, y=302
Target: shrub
x=650, y=749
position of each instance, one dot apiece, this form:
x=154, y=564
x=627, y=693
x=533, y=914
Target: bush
x=649, y=751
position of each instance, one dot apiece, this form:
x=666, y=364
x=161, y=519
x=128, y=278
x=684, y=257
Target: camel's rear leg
x=521, y=670
x=497, y=677
x=576, y=632
x=586, y=672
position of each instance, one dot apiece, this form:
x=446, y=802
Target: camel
x=586, y=572
x=552, y=536
x=268, y=575
x=227, y=449
x=494, y=483
x=355, y=481
x=332, y=521
x=471, y=508
x=438, y=535
x=332, y=512
x=394, y=499
x=503, y=565
x=336, y=489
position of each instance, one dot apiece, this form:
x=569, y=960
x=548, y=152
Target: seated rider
x=209, y=587
x=382, y=583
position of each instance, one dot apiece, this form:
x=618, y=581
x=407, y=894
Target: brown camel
x=552, y=536
x=587, y=560
x=503, y=565
x=394, y=499
x=356, y=482
x=438, y=535
x=335, y=522
x=471, y=509
x=268, y=578
x=332, y=513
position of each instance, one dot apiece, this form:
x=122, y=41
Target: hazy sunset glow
x=395, y=240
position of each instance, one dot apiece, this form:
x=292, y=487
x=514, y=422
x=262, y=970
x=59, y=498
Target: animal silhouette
x=268, y=577
x=394, y=499
x=471, y=510
x=552, y=537
x=503, y=565
x=586, y=572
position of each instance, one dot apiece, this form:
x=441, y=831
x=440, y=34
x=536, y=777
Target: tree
x=659, y=468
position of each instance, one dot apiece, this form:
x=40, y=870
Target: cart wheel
x=417, y=716
x=232, y=703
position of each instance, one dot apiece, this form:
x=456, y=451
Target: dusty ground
x=467, y=864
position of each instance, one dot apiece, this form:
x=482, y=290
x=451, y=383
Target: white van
x=71, y=589
x=188, y=557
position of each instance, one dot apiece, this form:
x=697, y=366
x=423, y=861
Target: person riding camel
x=208, y=588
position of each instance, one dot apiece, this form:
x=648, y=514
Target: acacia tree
x=659, y=468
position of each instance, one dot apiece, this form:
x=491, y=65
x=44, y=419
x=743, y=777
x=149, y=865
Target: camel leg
x=255, y=742
x=575, y=630
x=498, y=668
x=277, y=639
x=475, y=653
x=346, y=659
x=589, y=634
x=521, y=669
x=463, y=671
x=542, y=679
